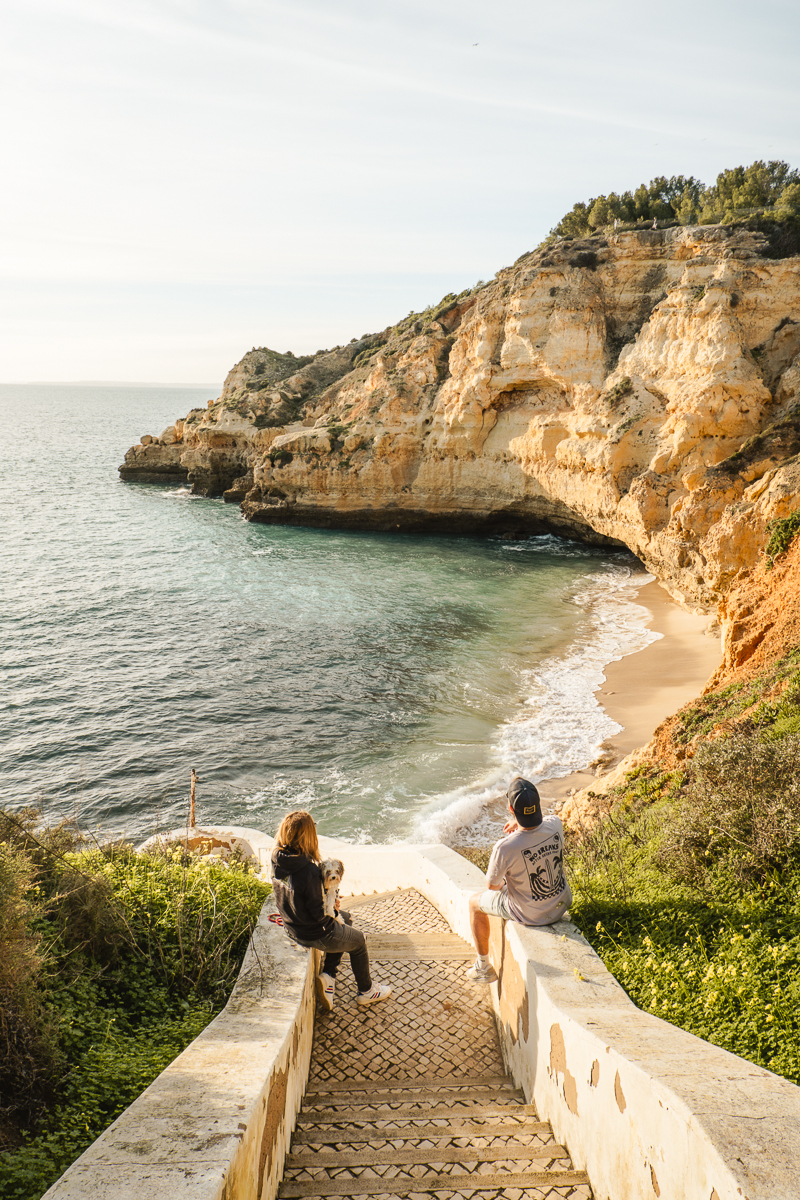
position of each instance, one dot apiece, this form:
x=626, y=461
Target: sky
x=186, y=179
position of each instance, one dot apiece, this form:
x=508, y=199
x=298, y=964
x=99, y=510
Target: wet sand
x=644, y=688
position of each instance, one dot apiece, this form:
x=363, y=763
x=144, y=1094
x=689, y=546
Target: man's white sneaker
x=378, y=991
x=326, y=987
x=477, y=974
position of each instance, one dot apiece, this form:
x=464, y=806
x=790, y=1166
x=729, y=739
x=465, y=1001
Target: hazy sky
x=185, y=179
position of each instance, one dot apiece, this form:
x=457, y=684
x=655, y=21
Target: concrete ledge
x=216, y=1124
x=645, y=1108
x=220, y=840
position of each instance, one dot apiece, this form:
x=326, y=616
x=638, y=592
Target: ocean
x=391, y=684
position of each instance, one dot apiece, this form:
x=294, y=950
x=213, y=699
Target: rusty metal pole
x=191, y=799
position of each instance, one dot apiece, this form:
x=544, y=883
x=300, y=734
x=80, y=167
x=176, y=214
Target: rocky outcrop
x=157, y=459
x=214, y=448
x=640, y=389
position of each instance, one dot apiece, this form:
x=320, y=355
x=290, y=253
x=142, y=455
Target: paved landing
x=409, y=1098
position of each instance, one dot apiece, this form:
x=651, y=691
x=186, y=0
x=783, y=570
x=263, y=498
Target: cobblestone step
x=327, y=1134
x=411, y=1098
x=416, y=1082
x=376, y=1092
x=401, y=1155
x=529, y=1185
x=425, y=1110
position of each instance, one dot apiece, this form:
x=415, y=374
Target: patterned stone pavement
x=410, y=1098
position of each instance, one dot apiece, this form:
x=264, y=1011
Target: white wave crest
x=562, y=725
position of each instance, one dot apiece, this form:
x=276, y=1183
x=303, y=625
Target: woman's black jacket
x=297, y=886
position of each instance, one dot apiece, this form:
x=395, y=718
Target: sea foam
x=562, y=725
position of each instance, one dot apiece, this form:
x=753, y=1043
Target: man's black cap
x=524, y=799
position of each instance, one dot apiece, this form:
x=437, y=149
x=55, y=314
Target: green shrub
x=689, y=890
x=782, y=533
x=739, y=818
x=721, y=707
x=731, y=978
x=28, y=1048
x=141, y=951
x=107, y=1076
x=365, y=356
x=621, y=389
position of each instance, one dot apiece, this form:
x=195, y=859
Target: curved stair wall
x=216, y=1124
x=644, y=1108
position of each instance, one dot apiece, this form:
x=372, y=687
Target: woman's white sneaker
x=479, y=974
x=326, y=988
x=378, y=991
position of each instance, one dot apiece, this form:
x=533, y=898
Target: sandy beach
x=642, y=689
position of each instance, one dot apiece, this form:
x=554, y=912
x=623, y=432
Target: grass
x=723, y=707
x=121, y=960
x=689, y=888
x=720, y=961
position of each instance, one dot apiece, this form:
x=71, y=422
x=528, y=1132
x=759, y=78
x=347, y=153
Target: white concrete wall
x=216, y=1124
x=250, y=843
x=648, y=1110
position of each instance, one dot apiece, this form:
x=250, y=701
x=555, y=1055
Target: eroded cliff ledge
x=639, y=389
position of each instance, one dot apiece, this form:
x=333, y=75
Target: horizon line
x=102, y=383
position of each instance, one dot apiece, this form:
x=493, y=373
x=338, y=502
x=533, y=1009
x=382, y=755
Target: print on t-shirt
x=545, y=867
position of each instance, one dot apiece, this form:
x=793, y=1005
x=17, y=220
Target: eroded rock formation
x=641, y=389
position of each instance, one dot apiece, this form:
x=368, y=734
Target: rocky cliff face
x=641, y=389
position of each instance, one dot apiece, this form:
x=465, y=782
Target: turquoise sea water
x=388, y=683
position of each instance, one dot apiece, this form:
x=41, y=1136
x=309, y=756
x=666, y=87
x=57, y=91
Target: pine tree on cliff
x=761, y=190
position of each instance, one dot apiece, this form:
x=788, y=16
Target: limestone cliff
x=639, y=389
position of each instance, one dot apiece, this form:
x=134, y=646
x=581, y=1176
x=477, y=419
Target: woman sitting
x=297, y=886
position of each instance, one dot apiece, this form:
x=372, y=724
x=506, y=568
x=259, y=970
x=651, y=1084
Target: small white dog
x=332, y=872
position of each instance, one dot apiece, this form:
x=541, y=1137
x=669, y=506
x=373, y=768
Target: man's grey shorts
x=495, y=904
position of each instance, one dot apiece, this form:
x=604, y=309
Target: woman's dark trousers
x=344, y=939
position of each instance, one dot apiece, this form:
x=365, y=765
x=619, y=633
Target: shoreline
x=644, y=688
x=638, y=692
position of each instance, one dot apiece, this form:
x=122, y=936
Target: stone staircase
x=410, y=1098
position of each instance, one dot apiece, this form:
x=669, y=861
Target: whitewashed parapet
x=217, y=841
x=648, y=1109
x=216, y=1124
x=645, y=1108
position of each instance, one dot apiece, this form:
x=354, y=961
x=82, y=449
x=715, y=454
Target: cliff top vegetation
x=764, y=190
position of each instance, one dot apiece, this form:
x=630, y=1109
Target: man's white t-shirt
x=531, y=864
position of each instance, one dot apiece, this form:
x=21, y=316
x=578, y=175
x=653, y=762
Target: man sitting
x=525, y=877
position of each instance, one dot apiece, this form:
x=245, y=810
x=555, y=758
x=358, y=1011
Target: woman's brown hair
x=298, y=832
